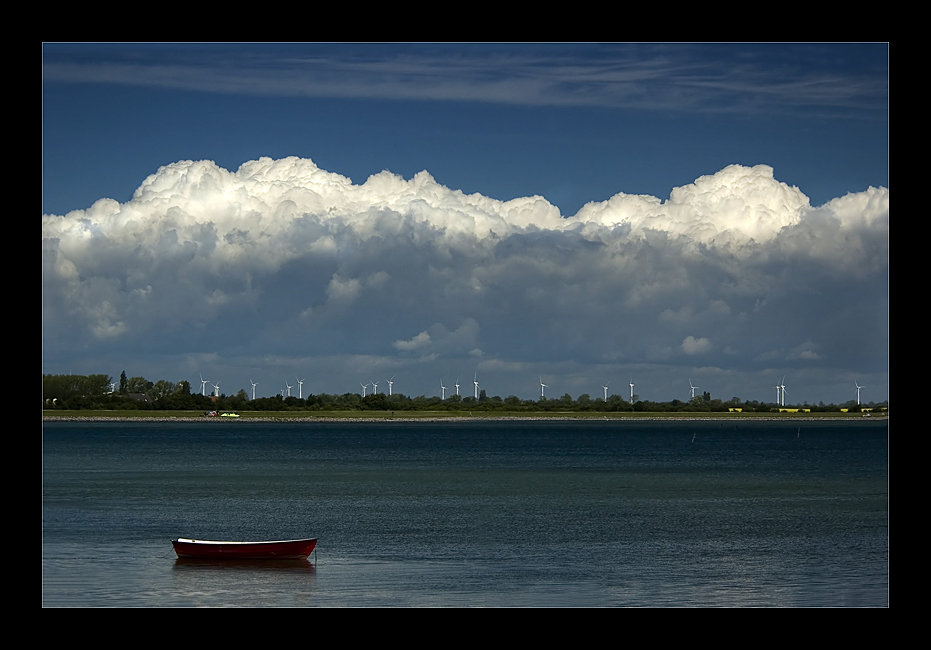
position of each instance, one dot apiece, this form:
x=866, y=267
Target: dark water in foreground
x=471, y=514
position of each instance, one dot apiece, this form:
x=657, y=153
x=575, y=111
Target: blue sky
x=575, y=124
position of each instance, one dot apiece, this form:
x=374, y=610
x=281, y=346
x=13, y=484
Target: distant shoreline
x=457, y=418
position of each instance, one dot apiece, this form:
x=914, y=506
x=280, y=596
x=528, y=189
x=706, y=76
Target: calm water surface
x=470, y=514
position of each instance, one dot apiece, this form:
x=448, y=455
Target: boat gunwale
x=185, y=540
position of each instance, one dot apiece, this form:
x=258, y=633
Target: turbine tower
x=364, y=386
x=631, y=391
x=457, y=383
x=443, y=388
x=203, y=386
x=300, y=388
x=374, y=388
x=693, y=388
x=216, y=390
x=542, y=386
x=289, y=388
x=606, y=391
x=390, y=383
x=253, y=388
x=782, y=386
x=777, y=395
x=858, y=391
x=475, y=381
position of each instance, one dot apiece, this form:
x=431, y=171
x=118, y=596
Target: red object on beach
x=291, y=549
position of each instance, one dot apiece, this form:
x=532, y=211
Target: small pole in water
x=799, y=433
x=693, y=438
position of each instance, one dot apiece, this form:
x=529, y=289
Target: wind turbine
x=216, y=390
x=289, y=388
x=631, y=391
x=606, y=391
x=203, y=386
x=777, y=394
x=443, y=388
x=374, y=388
x=300, y=388
x=457, y=383
x=783, y=387
x=364, y=386
x=253, y=388
x=858, y=391
x=542, y=386
x=390, y=383
x=693, y=388
x=475, y=381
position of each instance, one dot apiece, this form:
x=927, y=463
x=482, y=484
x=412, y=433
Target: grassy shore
x=328, y=416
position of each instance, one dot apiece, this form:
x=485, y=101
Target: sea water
x=470, y=513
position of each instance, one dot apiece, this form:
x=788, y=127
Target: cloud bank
x=283, y=259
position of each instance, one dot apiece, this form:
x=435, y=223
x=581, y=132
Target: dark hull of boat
x=292, y=549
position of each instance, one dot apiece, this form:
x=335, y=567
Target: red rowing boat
x=290, y=549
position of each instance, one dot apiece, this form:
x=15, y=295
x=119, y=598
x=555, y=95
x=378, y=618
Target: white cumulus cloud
x=736, y=204
x=283, y=258
x=692, y=346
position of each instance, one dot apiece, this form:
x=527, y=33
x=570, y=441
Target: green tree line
x=100, y=392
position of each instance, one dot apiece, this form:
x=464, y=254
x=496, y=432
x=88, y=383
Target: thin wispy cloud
x=658, y=77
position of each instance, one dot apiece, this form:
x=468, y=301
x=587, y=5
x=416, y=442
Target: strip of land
x=430, y=416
